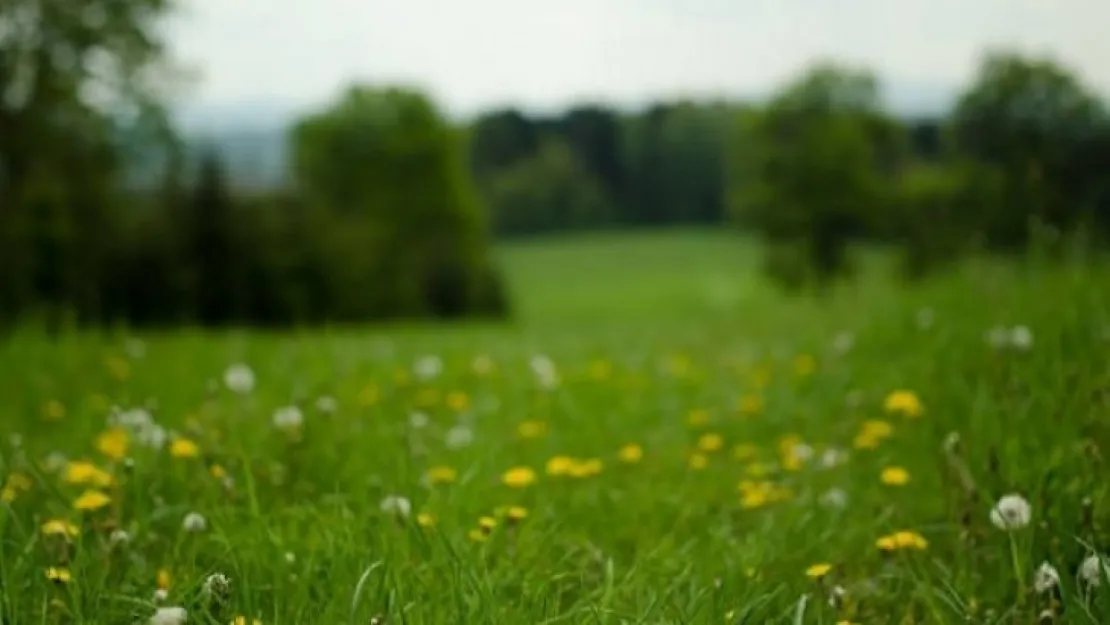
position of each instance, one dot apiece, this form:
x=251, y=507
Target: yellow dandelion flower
x=8, y=494
x=477, y=536
x=113, y=443
x=894, y=476
x=756, y=469
x=559, y=465
x=184, y=448
x=804, y=365
x=368, y=396
x=877, y=428
x=903, y=402
x=53, y=410
x=910, y=540
x=83, y=472
x=751, y=404
x=59, y=527
x=745, y=451
x=217, y=471
x=164, y=579
x=58, y=575
x=630, y=453
x=697, y=418
x=487, y=523
x=441, y=475
x=516, y=513
x=886, y=543
x=586, y=468
x=425, y=519
x=118, y=368
x=531, y=429
x=18, y=482
x=519, y=477
x=711, y=442
x=242, y=620
x=458, y=401
x=864, y=440
x=91, y=500
x=817, y=571
x=697, y=461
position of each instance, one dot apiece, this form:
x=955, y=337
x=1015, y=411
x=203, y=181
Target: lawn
x=659, y=437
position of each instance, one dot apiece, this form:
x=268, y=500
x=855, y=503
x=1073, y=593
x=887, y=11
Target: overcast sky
x=545, y=53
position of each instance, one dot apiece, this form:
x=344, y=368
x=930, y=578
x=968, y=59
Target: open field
x=659, y=438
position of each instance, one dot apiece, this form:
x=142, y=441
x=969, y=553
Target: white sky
x=471, y=54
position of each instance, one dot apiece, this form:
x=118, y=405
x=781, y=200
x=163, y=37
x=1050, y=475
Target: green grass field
x=659, y=437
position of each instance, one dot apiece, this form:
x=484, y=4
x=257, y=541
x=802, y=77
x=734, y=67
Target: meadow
x=658, y=437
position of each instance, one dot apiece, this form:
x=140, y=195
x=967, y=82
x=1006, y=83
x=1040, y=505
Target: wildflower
x=1090, y=570
x=710, y=442
x=544, y=370
x=169, y=616
x=119, y=537
x=1045, y=578
x=427, y=367
x=242, y=620
x=697, y=461
x=163, y=579
x=194, y=523
x=833, y=457
x=53, y=410
x=834, y=498
x=184, y=448
x=217, y=471
x=58, y=575
x=559, y=465
x=818, y=571
x=458, y=401
x=425, y=519
x=113, y=443
x=59, y=527
x=91, y=500
x=487, y=523
x=396, y=505
x=239, y=378
x=697, y=418
x=518, y=477
x=16, y=483
x=903, y=402
x=516, y=513
x=844, y=342
x=288, y=418
x=902, y=540
x=217, y=586
x=418, y=420
x=1012, y=512
x=804, y=365
x=1021, y=338
x=87, y=473
x=586, y=468
x=477, y=535
x=458, y=437
x=745, y=451
x=894, y=476
x=160, y=595
x=531, y=429
x=326, y=404
x=630, y=454
x=441, y=475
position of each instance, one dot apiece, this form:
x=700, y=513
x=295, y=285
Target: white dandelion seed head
x=290, y=557
x=925, y=318
x=239, y=378
x=194, y=523
x=288, y=418
x=418, y=420
x=326, y=404
x=844, y=342
x=169, y=616
x=153, y=436
x=458, y=437
x=119, y=538
x=1021, y=338
x=1045, y=578
x=833, y=457
x=1012, y=512
x=428, y=367
x=396, y=505
x=160, y=595
x=1093, y=568
x=834, y=498
x=217, y=585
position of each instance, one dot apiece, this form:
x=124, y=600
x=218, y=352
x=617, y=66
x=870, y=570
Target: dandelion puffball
x=194, y=523
x=1012, y=512
x=1090, y=571
x=239, y=378
x=1045, y=578
x=169, y=616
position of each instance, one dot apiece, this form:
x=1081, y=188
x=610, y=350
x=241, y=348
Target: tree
x=1036, y=122
x=809, y=170
x=386, y=164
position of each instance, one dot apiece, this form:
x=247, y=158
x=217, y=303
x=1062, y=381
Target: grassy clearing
x=706, y=445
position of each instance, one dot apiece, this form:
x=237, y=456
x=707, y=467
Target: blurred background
x=271, y=162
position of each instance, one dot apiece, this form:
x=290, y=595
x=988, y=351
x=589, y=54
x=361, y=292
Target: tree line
x=390, y=208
